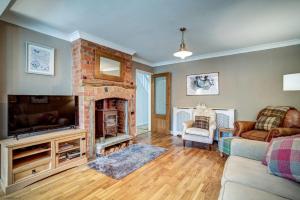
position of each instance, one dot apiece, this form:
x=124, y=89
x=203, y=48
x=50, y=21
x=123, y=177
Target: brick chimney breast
x=90, y=89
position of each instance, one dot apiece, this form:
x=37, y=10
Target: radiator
x=225, y=118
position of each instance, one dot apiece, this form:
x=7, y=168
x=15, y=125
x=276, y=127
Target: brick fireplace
x=91, y=90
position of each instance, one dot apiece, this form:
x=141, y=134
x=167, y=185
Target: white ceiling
x=150, y=27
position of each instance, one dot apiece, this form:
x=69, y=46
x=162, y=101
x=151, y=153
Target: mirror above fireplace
x=108, y=67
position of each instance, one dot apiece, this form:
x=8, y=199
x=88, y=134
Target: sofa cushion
x=236, y=191
x=255, y=135
x=197, y=131
x=285, y=158
x=201, y=122
x=253, y=174
x=266, y=123
x=275, y=111
x=251, y=149
x=268, y=151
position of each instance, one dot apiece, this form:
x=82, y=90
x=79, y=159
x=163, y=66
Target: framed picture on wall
x=39, y=59
x=202, y=84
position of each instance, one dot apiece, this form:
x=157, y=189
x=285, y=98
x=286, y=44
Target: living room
x=150, y=100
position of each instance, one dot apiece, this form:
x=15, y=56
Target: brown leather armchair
x=290, y=126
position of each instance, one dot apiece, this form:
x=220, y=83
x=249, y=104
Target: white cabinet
x=225, y=118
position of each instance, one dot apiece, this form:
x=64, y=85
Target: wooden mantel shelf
x=96, y=83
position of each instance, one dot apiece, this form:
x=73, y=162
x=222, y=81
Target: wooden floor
x=181, y=173
x=142, y=129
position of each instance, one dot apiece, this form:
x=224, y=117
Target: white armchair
x=194, y=134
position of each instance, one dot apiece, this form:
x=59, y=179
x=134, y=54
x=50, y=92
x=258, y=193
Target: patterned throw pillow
x=285, y=159
x=201, y=122
x=267, y=123
x=268, y=151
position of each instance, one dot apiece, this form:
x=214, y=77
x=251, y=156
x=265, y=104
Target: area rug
x=119, y=164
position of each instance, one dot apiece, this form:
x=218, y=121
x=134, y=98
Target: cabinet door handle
x=33, y=171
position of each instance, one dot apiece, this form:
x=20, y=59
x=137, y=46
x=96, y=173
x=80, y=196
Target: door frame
x=149, y=96
x=166, y=117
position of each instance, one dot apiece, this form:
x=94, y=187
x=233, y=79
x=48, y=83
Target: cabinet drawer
x=30, y=172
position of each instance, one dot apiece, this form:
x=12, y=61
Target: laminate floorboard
x=192, y=172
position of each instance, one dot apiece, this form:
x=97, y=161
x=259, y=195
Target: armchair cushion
x=187, y=124
x=198, y=131
x=201, y=122
x=243, y=126
x=255, y=135
x=267, y=123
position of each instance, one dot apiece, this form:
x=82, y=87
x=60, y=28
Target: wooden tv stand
x=31, y=159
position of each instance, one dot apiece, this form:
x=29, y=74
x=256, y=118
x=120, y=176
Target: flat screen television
x=39, y=114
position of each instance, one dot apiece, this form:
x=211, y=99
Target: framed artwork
x=39, y=59
x=202, y=84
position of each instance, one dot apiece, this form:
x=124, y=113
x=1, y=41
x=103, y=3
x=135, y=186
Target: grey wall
x=247, y=82
x=14, y=79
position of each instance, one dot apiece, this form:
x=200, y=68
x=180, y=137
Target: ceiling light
x=183, y=52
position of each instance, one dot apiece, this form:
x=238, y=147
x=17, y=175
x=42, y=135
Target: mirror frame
x=97, y=67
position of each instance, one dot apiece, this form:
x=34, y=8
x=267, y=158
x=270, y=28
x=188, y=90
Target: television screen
x=32, y=113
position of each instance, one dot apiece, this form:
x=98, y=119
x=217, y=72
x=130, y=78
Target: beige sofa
x=245, y=178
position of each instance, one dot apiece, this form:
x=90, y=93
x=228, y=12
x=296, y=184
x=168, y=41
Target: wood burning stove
x=110, y=114
x=107, y=123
